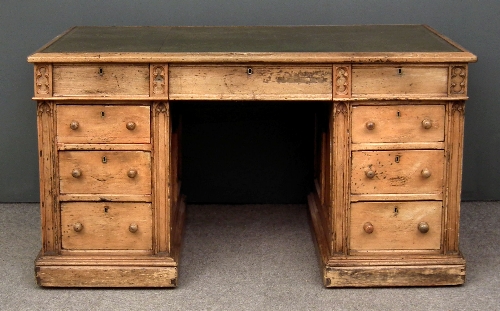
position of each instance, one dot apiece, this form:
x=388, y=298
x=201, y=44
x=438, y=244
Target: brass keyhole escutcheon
x=397, y=159
x=104, y=160
x=249, y=71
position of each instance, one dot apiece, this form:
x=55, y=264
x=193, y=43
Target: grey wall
x=26, y=25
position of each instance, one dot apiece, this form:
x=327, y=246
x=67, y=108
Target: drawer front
x=395, y=226
x=101, y=80
x=105, y=172
x=103, y=124
x=383, y=81
x=120, y=226
x=250, y=82
x=398, y=124
x=397, y=172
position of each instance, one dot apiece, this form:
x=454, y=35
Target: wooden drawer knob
x=74, y=125
x=368, y=227
x=426, y=124
x=423, y=227
x=370, y=125
x=76, y=173
x=130, y=126
x=370, y=174
x=78, y=227
x=133, y=228
x=426, y=173
x=132, y=173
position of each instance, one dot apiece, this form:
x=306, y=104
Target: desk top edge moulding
x=388, y=101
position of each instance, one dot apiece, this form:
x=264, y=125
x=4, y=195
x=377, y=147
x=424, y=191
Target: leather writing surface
x=372, y=38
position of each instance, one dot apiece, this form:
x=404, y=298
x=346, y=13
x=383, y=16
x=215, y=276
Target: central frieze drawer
x=390, y=81
x=101, y=80
x=87, y=226
x=397, y=172
x=105, y=172
x=395, y=225
x=103, y=124
x=398, y=123
x=250, y=82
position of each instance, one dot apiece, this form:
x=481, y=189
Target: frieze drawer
x=399, y=81
x=101, y=80
x=250, y=82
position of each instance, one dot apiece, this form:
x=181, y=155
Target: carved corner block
x=342, y=81
x=43, y=80
x=457, y=80
x=158, y=79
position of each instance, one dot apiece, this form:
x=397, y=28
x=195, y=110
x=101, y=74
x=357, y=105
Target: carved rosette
x=158, y=77
x=342, y=81
x=458, y=80
x=42, y=80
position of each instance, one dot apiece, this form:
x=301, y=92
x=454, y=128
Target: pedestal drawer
x=398, y=123
x=398, y=171
x=105, y=172
x=393, y=81
x=101, y=80
x=113, y=226
x=395, y=226
x=250, y=82
x=103, y=124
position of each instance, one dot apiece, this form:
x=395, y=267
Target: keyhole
x=104, y=160
x=398, y=114
x=106, y=208
x=102, y=114
x=101, y=72
x=400, y=71
x=249, y=71
x=396, y=210
x=397, y=159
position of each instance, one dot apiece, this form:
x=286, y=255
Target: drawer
x=105, y=172
x=387, y=81
x=126, y=226
x=250, y=82
x=398, y=124
x=103, y=124
x=397, y=172
x=395, y=226
x=101, y=80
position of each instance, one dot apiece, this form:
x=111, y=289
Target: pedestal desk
x=389, y=115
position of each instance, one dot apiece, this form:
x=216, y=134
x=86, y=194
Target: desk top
x=368, y=43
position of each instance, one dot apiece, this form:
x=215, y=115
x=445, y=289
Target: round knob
x=76, y=173
x=427, y=124
x=133, y=228
x=370, y=125
x=78, y=227
x=423, y=227
x=370, y=174
x=130, y=126
x=132, y=173
x=426, y=173
x=74, y=125
x=368, y=227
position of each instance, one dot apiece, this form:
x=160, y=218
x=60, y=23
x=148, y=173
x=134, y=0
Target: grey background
x=27, y=25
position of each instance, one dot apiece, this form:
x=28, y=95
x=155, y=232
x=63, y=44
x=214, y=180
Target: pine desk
x=388, y=145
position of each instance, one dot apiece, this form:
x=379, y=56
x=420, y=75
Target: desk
x=387, y=146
